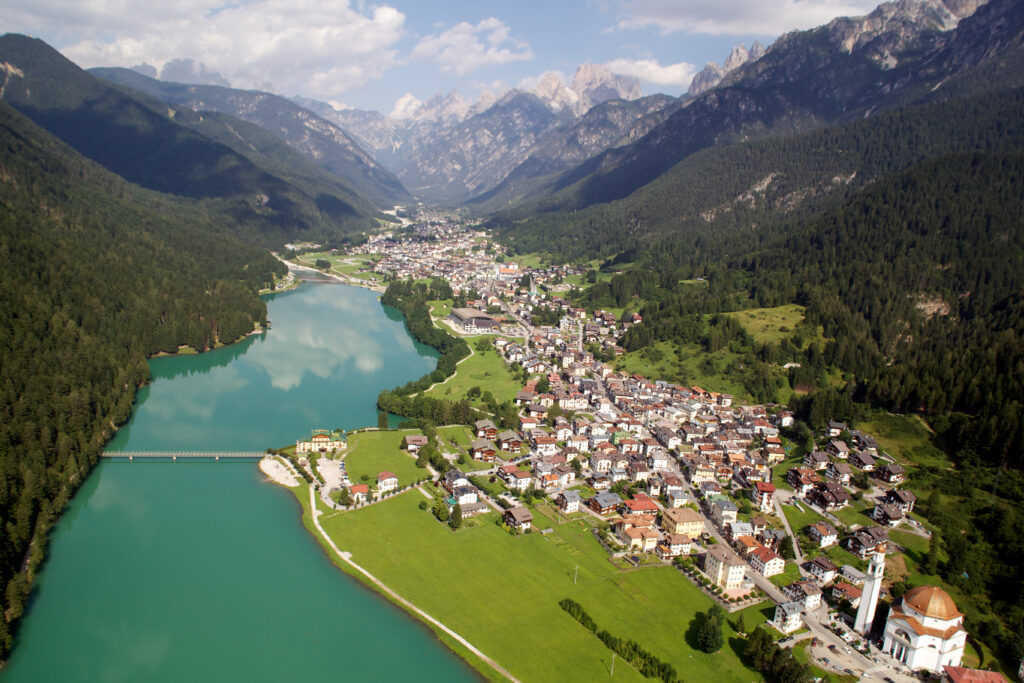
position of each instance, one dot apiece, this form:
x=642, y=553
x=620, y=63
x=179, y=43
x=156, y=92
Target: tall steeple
x=869, y=596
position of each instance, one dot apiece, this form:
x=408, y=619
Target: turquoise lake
x=201, y=570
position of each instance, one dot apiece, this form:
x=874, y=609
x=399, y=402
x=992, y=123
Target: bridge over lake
x=191, y=455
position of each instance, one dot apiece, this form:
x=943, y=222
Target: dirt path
x=347, y=558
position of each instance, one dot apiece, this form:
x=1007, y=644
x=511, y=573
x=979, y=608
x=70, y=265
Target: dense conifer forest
x=98, y=275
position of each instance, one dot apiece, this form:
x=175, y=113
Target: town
x=661, y=473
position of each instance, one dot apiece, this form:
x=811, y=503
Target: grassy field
x=770, y=325
x=370, y=453
x=904, y=437
x=484, y=369
x=503, y=591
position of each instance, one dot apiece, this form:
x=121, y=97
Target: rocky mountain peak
x=893, y=26
x=712, y=74
x=594, y=84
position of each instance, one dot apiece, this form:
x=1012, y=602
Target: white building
x=723, y=567
x=788, y=617
x=926, y=630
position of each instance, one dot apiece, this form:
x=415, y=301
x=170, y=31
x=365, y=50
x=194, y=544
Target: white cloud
x=466, y=47
x=317, y=48
x=649, y=71
x=737, y=17
x=406, y=107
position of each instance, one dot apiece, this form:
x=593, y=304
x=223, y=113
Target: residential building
x=724, y=567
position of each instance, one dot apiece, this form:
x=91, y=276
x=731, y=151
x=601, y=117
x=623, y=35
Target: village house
x=862, y=460
x=845, y=591
x=817, y=460
x=569, y=502
x=839, y=472
x=636, y=532
x=640, y=504
x=674, y=545
x=823, y=533
x=788, y=617
x=387, y=481
x=483, y=450
x=518, y=518
x=887, y=515
x=485, y=429
x=763, y=495
x=892, y=474
x=723, y=511
x=677, y=499
x=767, y=562
x=864, y=541
x=605, y=502
x=838, y=448
x=682, y=521
x=822, y=569
x=805, y=592
x=902, y=499
x=360, y=493
x=414, y=442
x=802, y=479
x=510, y=442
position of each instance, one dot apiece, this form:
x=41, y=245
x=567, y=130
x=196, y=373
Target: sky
x=352, y=53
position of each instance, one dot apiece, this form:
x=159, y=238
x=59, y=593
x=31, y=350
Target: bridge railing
x=174, y=455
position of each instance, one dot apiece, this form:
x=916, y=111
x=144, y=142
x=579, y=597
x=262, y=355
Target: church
x=926, y=630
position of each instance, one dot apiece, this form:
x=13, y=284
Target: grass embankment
x=687, y=364
x=906, y=438
x=502, y=592
x=370, y=453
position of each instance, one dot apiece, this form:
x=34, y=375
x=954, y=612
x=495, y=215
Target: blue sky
x=366, y=55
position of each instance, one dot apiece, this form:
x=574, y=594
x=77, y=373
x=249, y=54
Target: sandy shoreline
x=278, y=472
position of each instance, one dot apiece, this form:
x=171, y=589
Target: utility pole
x=612, y=673
x=576, y=575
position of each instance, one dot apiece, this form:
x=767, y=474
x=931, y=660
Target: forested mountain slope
x=168, y=150
x=729, y=199
x=320, y=141
x=95, y=275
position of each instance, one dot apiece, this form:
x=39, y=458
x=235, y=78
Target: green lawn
x=904, y=437
x=857, y=512
x=799, y=521
x=370, y=453
x=502, y=592
x=484, y=369
x=770, y=325
x=787, y=577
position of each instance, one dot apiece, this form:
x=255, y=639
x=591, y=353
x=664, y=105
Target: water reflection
x=331, y=350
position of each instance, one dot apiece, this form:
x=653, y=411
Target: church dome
x=931, y=601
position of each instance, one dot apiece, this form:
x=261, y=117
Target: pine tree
x=709, y=633
x=455, y=521
x=931, y=563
